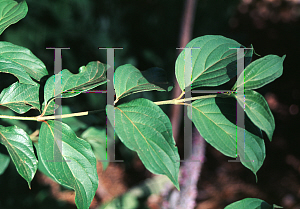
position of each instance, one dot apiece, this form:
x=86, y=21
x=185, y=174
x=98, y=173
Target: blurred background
x=149, y=32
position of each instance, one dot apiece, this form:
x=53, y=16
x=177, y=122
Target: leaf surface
x=129, y=80
x=252, y=203
x=143, y=127
x=20, y=149
x=215, y=119
x=214, y=62
x=89, y=77
x=257, y=109
x=11, y=12
x=20, y=97
x=70, y=160
x=20, y=62
x=261, y=72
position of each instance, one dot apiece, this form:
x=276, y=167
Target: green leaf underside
x=251, y=203
x=20, y=97
x=20, y=149
x=97, y=139
x=11, y=12
x=215, y=119
x=213, y=61
x=20, y=62
x=261, y=72
x=257, y=109
x=143, y=127
x=70, y=160
x=4, y=162
x=89, y=77
x=41, y=165
x=129, y=80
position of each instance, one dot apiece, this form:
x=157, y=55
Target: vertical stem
x=185, y=37
x=190, y=172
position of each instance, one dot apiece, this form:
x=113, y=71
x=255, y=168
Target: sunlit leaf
x=20, y=149
x=20, y=97
x=70, y=160
x=215, y=119
x=251, y=203
x=89, y=77
x=257, y=109
x=214, y=61
x=129, y=80
x=261, y=72
x=143, y=127
x=11, y=12
x=20, y=62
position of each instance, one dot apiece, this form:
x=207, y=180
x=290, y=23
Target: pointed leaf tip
x=143, y=127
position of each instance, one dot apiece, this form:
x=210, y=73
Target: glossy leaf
x=41, y=165
x=129, y=80
x=89, y=77
x=257, y=109
x=20, y=149
x=20, y=62
x=4, y=162
x=261, y=72
x=251, y=203
x=143, y=127
x=20, y=97
x=69, y=159
x=213, y=61
x=97, y=139
x=215, y=119
x=11, y=12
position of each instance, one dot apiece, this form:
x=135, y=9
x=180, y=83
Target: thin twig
x=181, y=101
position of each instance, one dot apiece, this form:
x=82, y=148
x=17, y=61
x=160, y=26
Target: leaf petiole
x=181, y=101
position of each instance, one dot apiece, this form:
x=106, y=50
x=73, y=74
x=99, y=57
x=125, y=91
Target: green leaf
x=129, y=80
x=97, y=139
x=261, y=72
x=89, y=77
x=257, y=109
x=213, y=63
x=251, y=203
x=20, y=97
x=41, y=165
x=20, y=149
x=20, y=62
x=215, y=119
x=143, y=127
x=4, y=161
x=11, y=12
x=70, y=160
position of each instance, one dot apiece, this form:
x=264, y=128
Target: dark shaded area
x=148, y=32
